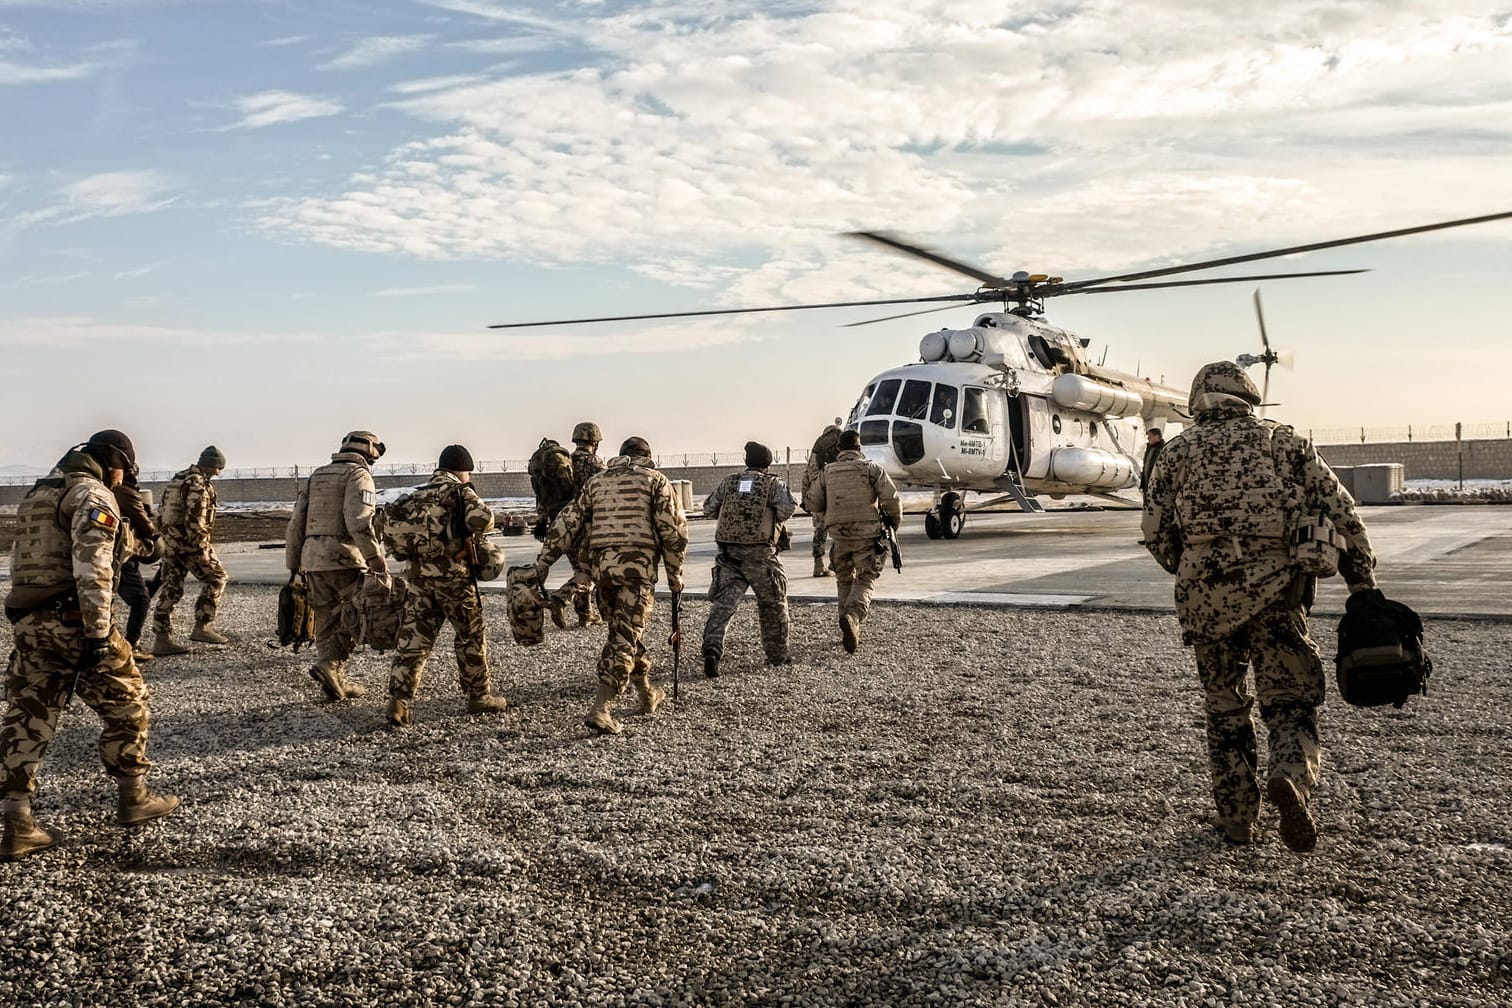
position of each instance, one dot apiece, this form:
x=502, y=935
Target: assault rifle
x=676, y=639
x=890, y=537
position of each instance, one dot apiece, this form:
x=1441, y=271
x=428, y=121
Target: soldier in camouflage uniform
x=187, y=522
x=1218, y=514
x=139, y=543
x=443, y=588
x=852, y=497
x=59, y=604
x=629, y=520
x=331, y=539
x=585, y=465
x=826, y=448
x=751, y=507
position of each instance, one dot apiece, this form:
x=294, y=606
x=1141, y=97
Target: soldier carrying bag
x=1381, y=659
x=296, y=618
x=526, y=598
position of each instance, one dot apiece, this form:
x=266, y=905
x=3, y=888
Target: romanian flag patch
x=102, y=518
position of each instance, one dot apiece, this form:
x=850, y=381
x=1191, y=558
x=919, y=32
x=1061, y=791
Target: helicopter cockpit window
x=974, y=413
x=873, y=432
x=914, y=402
x=859, y=410
x=882, y=402
x=944, y=411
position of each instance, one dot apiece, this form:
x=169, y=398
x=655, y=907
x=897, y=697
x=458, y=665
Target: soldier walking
x=578, y=590
x=1218, y=513
x=853, y=498
x=187, y=523
x=751, y=507
x=442, y=518
x=139, y=543
x=629, y=520
x=59, y=606
x=331, y=539
x=825, y=450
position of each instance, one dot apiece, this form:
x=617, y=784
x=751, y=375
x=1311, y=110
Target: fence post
x=1460, y=452
x=1362, y=435
x=1409, y=433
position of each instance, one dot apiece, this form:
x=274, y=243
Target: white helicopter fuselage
x=1010, y=400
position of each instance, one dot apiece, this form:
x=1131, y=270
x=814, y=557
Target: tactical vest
x=744, y=514
x=43, y=554
x=848, y=492
x=1230, y=486
x=621, y=501
x=325, y=497
x=174, y=496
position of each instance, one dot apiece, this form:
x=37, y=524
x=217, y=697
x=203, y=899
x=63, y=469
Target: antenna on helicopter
x=1269, y=358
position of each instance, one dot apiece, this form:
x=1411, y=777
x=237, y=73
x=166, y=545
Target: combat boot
x=332, y=684
x=587, y=617
x=600, y=718
x=138, y=805
x=850, y=632
x=819, y=569
x=163, y=644
x=651, y=697
x=1298, y=831
x=139, y=656
x=486, y=703
x=711, y=664
x=205, y=633
x=555, y=605
x=399, y=713
x=1240, y=834
x=22, y=834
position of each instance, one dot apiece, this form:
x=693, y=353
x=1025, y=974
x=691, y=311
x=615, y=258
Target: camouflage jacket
x=749, y=505
x=331, y=527
x=585, y=466
x=443, y=496
x=1218, y=513
x=66, y=530
x=139, y=533
x=629, y=518
x=188, y=515
x=851, y=497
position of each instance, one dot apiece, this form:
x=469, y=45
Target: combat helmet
x=587, y=432
x=1223, y=378
x=365, y=443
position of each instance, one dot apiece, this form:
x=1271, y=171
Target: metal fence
x=1410, y=433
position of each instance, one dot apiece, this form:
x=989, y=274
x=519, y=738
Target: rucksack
x=380, y=611
x=526, y=598
x=1381, y=659
x=296, y=617
x=826, y=447
x=418, y=526
x=551, y=480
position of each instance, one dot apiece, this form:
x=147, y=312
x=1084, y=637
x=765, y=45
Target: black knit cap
x=636, y=446
x=850, y=440
x=111, y=448
x=757, y=455
x=455, y=458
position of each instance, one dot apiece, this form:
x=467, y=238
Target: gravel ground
x=983, y=807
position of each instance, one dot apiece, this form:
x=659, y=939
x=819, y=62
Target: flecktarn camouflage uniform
x=442, y=590
x=630, y=521
x=1218, y=514
x=750, y=506
x=853, y=496
x=187, y=521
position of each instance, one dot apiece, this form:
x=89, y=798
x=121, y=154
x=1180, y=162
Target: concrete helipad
x=1441, y=560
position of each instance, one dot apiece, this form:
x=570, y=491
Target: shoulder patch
x=102, y=518
x=369, y=497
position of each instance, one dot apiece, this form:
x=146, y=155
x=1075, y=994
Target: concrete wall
x=1430, y=459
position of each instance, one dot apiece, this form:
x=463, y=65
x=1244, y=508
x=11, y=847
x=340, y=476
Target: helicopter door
x=1018, y=433
x=983, y=420
x=1039, y=430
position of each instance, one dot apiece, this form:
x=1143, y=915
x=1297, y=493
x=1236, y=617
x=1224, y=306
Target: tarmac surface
x=1441, y=560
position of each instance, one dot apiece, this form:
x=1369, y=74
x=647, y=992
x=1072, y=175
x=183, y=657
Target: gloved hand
x=377, y=564
x=539, y=529
x=675, y=582
x=96, y=650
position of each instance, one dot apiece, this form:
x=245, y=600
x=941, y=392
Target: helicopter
x=1011, y=406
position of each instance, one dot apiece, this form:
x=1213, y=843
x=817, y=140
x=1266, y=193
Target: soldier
x=751, y=507
x=443, y=588
x=585, y=465
x=331, y=539
x=139, y=543
x=187, y=521
x=1218, y=514
x=628, y=519
x=852, y=498
x=826, y=448
x=59, y=605
x=1154, y=444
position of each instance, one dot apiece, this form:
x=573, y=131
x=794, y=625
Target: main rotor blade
x=1051, y=292
x=898, y=244
x=1264, y=339
x=889, y=318
x=736, y=311
x=1077, y=286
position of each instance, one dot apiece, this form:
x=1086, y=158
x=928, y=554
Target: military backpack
x=1381, y=659
x=551, y=480
x=296, y=617
x=418, y=526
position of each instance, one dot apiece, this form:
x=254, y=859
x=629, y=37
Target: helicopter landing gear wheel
x=932, y=527
x=952, y=515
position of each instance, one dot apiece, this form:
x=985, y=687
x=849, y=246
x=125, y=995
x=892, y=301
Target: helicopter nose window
x=882, y=402
x=914, y=402
x=943, y=412
x=873, y=432
x=974, y=415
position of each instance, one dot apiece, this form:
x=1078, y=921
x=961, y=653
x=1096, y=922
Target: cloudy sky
x=261, y=223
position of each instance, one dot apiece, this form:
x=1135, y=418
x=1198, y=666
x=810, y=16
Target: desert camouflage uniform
x=331, y=539
x=750, y=507
x=61, y=573
x=820, y=455
x=852, y=496
x=629, y=518
x=443, y=591
x=1218, y=513
x=188, y=519
x=585, y=465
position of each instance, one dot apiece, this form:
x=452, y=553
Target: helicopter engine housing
x=1078, y=392
x=1093, y=467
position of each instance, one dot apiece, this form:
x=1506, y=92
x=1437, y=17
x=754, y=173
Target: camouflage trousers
x=433, y=601
x=333, y=638
x=626, y=605
x=41, y=667
x=578, y=590
x=820, y=536
x=735, y=568
x=206, y=569
x=1289, y=684
x=857, y=565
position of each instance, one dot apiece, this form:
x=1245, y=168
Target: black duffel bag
x=1381, y=659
